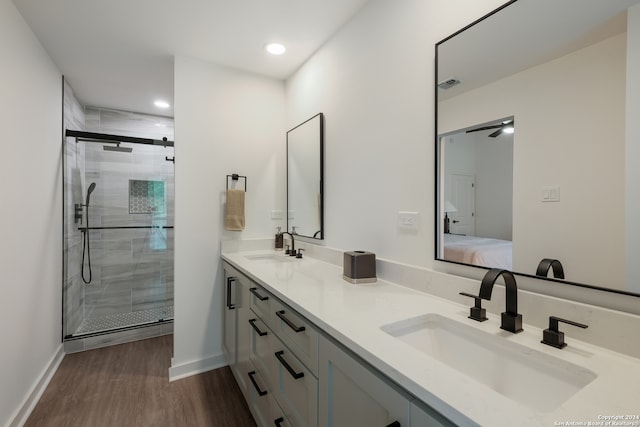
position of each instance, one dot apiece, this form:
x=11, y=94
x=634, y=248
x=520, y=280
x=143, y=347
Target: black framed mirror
x=305, y=178
x=559, y=76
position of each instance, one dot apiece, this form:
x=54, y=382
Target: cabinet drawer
x=260, y=350
x=261, y=302
x=259, y=399
x=262, y=402
x=278, y=417
x=296, y=388
x=297, y=333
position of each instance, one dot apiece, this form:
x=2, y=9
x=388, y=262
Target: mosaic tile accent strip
x=116, y=321
x=146, y=197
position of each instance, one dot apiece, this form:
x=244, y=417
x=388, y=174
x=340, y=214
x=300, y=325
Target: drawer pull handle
x=255, y=384
x=255, y=292
x=255, y=328
x=395, y=424
x=278, y=422
x=230, y=306
x=289, y=323
x=294, y=374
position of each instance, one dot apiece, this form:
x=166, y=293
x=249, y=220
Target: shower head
x=117, y=148
x=89, y=191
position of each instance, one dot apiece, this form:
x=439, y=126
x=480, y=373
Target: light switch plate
x=551, y=194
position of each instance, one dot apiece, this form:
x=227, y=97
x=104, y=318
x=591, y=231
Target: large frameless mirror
x=305, y=147
x=537, y=141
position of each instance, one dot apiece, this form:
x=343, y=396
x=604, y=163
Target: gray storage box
x=359, y=267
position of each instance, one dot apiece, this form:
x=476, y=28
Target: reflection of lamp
x=448, y=207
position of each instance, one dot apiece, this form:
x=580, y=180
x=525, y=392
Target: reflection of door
x=463, y=198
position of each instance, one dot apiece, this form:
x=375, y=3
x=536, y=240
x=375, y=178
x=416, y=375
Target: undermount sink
x=529, y=377
x=270, y=257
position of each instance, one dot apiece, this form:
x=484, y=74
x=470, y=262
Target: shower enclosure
x=118, y=233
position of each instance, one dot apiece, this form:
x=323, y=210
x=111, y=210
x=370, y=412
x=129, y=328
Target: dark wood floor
x=127, y=385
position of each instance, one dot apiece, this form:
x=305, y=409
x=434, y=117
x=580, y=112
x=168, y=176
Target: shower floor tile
x=116, y=321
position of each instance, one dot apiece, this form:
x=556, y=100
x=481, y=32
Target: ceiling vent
x=448, y=83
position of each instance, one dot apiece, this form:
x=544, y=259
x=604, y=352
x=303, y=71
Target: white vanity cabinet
x=295, y=376
x=236, y=325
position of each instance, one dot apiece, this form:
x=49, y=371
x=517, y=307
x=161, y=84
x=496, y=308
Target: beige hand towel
x=234, y=214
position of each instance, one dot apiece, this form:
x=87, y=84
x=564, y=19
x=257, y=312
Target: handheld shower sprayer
x=89, y=191
x=78, y=206
x=86, y=244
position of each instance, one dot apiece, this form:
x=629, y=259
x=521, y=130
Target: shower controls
x=77, y=209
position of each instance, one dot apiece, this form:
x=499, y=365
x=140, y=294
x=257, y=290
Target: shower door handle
x=230, y=306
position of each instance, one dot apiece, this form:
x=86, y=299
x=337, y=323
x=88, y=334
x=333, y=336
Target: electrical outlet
x=408, y=220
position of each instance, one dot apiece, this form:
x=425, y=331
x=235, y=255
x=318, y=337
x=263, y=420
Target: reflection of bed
x=478, y=251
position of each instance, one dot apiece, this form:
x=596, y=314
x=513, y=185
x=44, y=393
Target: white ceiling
x=539, y=31
x=119, y=53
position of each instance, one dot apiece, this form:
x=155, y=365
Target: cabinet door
x=230, y=316
x=351, y=395
x=243, y=331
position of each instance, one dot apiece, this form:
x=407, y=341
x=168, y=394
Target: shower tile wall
x=74, y=118
x=125, y=123
x=132, y=268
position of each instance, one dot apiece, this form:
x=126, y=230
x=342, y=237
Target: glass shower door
x=118, y=236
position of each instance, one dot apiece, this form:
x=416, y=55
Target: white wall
x=31, y=214
x=632, y=154
x=374, y=82
x=494, y=187
x=226, y=121
x=580, y=148
x=490, y=162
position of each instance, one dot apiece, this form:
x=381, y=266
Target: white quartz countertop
x=354, y=314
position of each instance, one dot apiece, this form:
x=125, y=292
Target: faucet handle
x=299, y=254
x=476, y=312
x=553, y=336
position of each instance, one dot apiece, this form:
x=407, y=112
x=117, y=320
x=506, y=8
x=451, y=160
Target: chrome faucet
x=291, y=251
x=511, y=320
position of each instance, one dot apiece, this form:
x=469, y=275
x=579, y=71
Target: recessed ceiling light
x=161, y=104
x=275, y=48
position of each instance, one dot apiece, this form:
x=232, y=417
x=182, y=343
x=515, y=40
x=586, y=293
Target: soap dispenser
x=279, y=239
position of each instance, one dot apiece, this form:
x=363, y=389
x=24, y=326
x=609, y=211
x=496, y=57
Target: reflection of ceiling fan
x=504, y=127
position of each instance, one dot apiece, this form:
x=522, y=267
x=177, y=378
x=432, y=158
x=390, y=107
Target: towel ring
x=235, y=177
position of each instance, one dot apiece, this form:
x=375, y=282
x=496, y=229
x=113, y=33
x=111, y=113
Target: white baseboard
x=184, y=370
x=22, y=413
